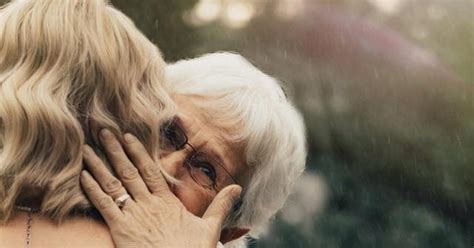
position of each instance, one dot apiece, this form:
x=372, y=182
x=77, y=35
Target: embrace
x=103, y=144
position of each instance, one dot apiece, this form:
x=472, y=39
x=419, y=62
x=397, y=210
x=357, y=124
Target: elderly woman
x=234, y=126
x=71, y=68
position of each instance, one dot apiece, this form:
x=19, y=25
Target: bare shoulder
x=75, y=232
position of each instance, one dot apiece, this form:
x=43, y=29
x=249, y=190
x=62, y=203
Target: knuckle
x=151, y=171
x=93, y=161
x=137, y=148
x=133, y=145
x=88, y=187
x=112, y=185
x=115, y=148
x=226, y=205
x=129, y=173
x=156, y=187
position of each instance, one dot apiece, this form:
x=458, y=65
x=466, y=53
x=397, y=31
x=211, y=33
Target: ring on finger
x=121, y=200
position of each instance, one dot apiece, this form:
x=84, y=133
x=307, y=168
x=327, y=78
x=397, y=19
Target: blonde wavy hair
x=67, y=69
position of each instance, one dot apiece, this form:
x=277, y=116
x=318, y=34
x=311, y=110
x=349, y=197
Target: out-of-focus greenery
x=366, y=215
x=162, y=22
x=387, y=97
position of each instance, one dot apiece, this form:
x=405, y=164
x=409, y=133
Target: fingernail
x=86, y=149
x=84, y=174
x=129, y=137
x=106, y=134
x=238, y=190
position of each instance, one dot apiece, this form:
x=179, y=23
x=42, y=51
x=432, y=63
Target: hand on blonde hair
x=154, y=217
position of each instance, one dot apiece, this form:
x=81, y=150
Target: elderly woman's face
x=199, y=156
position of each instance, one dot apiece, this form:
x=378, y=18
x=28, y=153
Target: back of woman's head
x=67, y=69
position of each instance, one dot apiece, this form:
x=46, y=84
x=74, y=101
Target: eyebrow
x=215, y=156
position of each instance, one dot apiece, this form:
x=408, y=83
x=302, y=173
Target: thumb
x=222, y=204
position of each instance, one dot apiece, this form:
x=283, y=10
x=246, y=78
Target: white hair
x=269, y=126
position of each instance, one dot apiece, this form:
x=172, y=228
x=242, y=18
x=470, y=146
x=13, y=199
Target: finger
x=111, y=185
x=126, y=171
x=101, y=200
x=150, y=171
x=222, y=204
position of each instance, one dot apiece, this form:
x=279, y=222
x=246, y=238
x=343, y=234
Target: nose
x=172, y=162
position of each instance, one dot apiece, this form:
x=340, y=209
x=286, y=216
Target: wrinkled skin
x=154, y=216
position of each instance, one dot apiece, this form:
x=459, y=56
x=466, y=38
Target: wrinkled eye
x=202, y=171
x=208, y=170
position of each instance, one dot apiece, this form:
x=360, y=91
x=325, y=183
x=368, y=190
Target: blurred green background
x=386, y=89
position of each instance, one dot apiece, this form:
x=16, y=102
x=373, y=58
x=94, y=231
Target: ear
x=233, y=233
